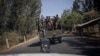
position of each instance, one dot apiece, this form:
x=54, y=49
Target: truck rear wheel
x=60, y=40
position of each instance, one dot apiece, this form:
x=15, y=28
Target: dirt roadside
x=32, y=39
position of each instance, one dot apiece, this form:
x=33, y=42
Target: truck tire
x=60, y=40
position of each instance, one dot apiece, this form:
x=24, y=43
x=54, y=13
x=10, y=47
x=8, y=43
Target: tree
x=69, y=21
x=87, y=5
x=27, y=16
x=83, y=5
x=96, y=5
x=76, y=6
x=19, y=15
x=63, y=18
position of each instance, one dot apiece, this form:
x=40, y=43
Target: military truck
x=54, y=36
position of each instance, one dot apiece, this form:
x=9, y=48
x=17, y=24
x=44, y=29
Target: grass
x=13, y=39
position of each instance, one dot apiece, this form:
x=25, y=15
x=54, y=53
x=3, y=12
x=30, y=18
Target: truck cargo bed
x=49, y=34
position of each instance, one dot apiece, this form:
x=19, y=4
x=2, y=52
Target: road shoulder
x=36, y=37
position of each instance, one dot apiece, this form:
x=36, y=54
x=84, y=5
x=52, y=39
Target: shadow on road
x=39, y=43
x=89, y=47
x=34, y=44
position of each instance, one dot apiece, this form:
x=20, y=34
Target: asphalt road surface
x=69, y=45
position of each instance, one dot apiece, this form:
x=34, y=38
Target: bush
x=13, y=37
x=69, y=21
x=2, y=41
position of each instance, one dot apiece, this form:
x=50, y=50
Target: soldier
x=44, y=33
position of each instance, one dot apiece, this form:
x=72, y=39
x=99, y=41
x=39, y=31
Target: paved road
x=70, y=45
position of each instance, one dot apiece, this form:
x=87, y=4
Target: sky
x=53, y=7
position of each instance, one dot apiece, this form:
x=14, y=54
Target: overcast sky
x=53, y=7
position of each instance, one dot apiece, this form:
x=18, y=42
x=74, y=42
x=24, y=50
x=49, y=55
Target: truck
x=54, y=36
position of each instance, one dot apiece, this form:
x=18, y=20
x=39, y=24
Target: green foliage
x=82, y=5
x=18, y=18
x=19, y=15
x=68, y=21
x=76, y=6
x=85, y=7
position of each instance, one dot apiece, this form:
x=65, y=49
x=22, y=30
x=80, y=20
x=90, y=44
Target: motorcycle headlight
x=46, y=45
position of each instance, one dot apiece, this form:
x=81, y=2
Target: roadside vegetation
x=69, y=20
x=81, y=12
x=18, y=21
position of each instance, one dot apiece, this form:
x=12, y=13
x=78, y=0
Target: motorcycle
x=45, y=46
